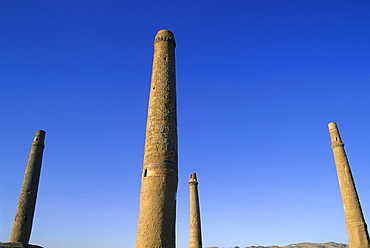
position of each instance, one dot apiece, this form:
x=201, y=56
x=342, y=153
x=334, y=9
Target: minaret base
x=18, y=245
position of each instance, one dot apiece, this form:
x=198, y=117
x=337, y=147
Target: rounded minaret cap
x=165, y=35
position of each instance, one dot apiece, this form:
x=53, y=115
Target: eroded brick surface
x=22, y=226
x=355, y=223
x=156, y=226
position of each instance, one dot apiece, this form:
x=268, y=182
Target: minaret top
x=332, y=125
x=334, y=135
x=193, y=179
x=165, y=35
x=39, y=138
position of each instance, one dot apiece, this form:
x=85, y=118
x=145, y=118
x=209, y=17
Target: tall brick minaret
x=22, y=225
x=355, y=223
x=157, y=216
x=195, y=226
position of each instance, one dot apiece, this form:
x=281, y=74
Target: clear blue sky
x=258, y=82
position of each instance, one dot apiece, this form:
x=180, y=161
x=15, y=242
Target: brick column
x=355, y=223
x=22, y=225
x=195, y=227
x=157, y=214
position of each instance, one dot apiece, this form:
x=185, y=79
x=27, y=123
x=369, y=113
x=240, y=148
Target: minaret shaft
x=195, y=224
x=157, y=214
x=355, y=223
x=22, y=225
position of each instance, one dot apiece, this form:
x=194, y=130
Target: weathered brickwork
x=355, y=223
x=22, y=225
x=157, y=214
x=195, y=227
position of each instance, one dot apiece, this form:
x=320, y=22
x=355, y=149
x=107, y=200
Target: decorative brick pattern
x=157, y=215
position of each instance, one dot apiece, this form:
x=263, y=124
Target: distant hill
x=300, y=245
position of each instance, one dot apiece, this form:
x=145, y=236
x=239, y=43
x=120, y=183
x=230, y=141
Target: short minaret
x=355, y=223
x=195, y=227
x=157, y=214
x=22, y=225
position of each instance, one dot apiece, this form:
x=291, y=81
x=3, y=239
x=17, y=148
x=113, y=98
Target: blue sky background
x=258, y=82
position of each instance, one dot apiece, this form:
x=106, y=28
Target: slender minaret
x=157, y=216
x=195, y=227
x=22, y=225
x=355, y=223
